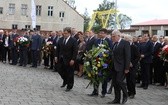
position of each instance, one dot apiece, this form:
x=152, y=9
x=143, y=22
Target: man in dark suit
x=55, y=45
x=90, y=41
x=106, y=41
x=1, y=44
x=23, y=50
x=14, y=47
x=66, y=55
x=36, y=42
x=131, y=76
x=146, y=50
x=155, y=72
x=121, y=63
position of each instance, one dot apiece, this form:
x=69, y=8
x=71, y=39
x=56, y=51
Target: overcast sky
x=138, y=10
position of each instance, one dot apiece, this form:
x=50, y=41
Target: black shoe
x=63, y=85
x=102, y=96
x=93, y=94
x=114, y=102
x=124, y=100
x=131, y=96
x=67, y=90
x=20, y=65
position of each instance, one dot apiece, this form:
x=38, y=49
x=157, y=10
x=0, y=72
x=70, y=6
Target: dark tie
x=115, y=46
x=64, y=41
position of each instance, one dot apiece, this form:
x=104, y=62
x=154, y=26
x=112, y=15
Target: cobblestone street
x=29, y=86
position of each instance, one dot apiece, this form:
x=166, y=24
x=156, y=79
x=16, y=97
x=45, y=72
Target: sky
x=138, y=10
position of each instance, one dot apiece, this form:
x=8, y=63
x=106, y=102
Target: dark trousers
x=67, y=74
x=34, y=58
x=29, y=56
x=131, y=81
x=157, y=70
x=1, y=51
x=14, y=56
x=145, y=69
x=51, y=60
x=118, y=78
x=46, y=59
x=6, y=52
x=23, y=56
x=104, y=87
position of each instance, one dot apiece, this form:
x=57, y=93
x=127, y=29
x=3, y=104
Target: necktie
x=64, y=41
x=115, y=45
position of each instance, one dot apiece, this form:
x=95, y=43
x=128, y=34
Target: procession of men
x=58, y=50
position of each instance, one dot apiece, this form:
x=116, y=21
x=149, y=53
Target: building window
x=11, y=9
x=38, y=27
x=50, y=10
x=1, y=10
x=38, y=10
x=24, y=9
x=14, y=26
x=61, y=14
x=27, y=26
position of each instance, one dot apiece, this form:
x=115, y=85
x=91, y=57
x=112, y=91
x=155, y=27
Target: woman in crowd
x=81, y=49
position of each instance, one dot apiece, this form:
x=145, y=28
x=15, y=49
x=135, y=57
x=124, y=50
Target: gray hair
x=116, y=32
x=128, y=37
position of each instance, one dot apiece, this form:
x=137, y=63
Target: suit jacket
x=146, y=48
x=36, y=42
x=90, y=43
x=4, y=37
x=109, y=42
x=135, y=55
x=13, y=38
x=68, y=51
x=156, y=49
x=122, y=56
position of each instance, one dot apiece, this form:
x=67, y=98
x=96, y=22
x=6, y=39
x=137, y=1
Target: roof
x=73, y=9
x=155, y=22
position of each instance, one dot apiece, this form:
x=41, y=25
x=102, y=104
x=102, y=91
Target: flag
x=33, y=14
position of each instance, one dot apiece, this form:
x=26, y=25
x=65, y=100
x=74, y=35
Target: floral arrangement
x=47, y=48
x=97, y=63
x=23, y=41
x=164, y=53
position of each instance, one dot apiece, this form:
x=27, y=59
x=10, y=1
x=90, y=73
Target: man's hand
x=71, y=62
x=142, y=56
x=131, y=64
x=56, y=59
x=126, y=71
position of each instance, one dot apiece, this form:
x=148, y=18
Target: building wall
x=50, y=23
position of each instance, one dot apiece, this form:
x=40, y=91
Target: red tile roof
x=153, y=22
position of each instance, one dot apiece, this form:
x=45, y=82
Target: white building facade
x=51, y=15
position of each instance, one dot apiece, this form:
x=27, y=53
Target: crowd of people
x=135, y=58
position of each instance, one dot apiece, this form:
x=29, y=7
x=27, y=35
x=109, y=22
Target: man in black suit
x=66, y=55
x=1, y=45
x=36, y=43
x=23, y=50
x=90, y=41
x=121, y=63
x=102, y=40
x=146, y=50
x=131, y=76
x=14, y=47
x=155, y=72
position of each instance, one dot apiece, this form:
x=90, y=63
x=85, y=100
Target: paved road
x=28, y=86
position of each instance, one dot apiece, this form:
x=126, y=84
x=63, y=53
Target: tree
x=86, y=19
x=124, y=21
